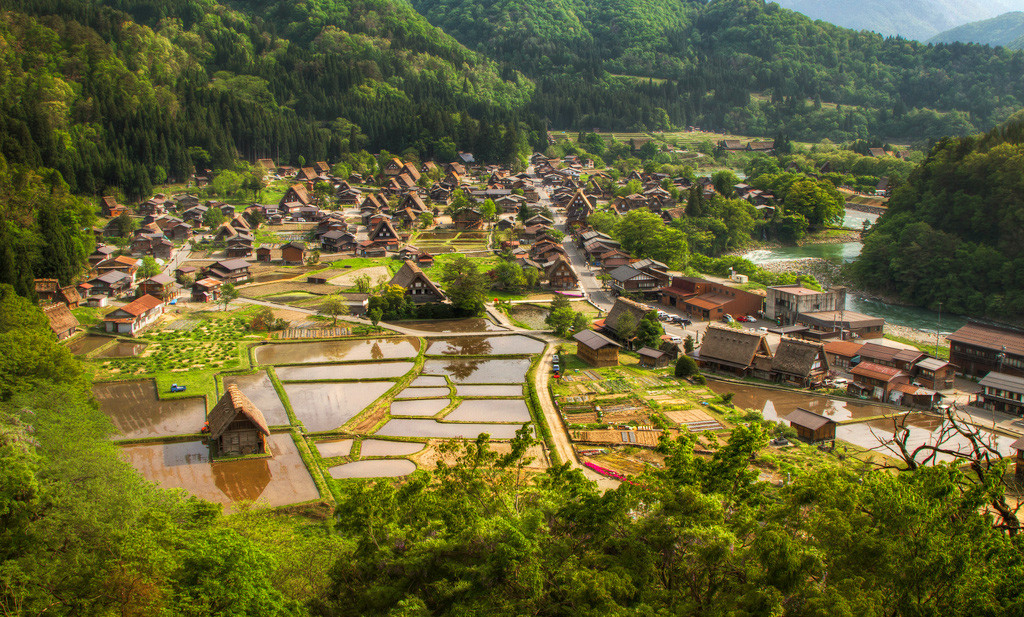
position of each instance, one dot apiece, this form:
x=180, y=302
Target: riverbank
x=824, y=271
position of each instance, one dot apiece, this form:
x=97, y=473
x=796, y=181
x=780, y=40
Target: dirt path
x=560, y=437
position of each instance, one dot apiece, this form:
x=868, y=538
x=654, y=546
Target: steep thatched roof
x=227, y=409
x=732, y=347
x=625, y=305
x=796, y=357
x=60, y=316
x=410, y=273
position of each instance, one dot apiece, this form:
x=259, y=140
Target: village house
x=263, y=253
x=1001, y=392
x=236, y=427
x=384, y=235
x=134, y=316
x=416, y=284
x=184, y=272
x=50, y=290
x=626, y=279
x=740, y=352
x=784, y=303
x=109, y=207
x=812, y=427
x=229, y=271
x=849, y=324
x=800, y=363
x=295, y=197
x=159, y=286
x=338, y=241
x=934, y=373
x=121, y=263
x=206, y=290
x=876, y=381
x=468, y=219
x=842, y=355
x=63, y=322
x=102, y=253
x=706, y=300
x=978, y=349
x=294, y=253
x=596, y=349
x=111, y=283
x=560, y=275
x=394, y=167
x=613, y=321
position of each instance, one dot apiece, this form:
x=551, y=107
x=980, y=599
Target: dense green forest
x=83, y=534
x=953, y=232
x=131, y=93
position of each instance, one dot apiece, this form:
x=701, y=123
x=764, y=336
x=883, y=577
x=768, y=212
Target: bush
x=686, y=367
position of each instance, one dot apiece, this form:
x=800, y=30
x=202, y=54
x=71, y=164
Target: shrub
x=686, y=367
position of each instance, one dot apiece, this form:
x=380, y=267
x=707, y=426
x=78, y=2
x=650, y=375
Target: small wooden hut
x=812, y=427
x=236, y=426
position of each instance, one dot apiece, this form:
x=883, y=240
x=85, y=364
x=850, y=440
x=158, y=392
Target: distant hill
x=1006, y=30
x=911, y=19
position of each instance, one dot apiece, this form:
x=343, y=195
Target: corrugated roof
x=593, y=340
x=990, y=337
x=932, y=364
x=847, y=349
x=876, y=371
x=1003, y=382
x=807, y=419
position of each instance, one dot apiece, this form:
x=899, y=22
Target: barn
x=236, y=426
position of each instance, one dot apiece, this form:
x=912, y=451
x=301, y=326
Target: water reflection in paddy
x=275, y=481
x=375, y=370
x=386, y=468
x=489, y=390
x=486, y=345
x=785, y=402
x=334, y=351
x=85, y=344
x=122, y=349
x=426, y=407
x=325, y=406
x=401, y=427
x=260, y=390
x=423, y=392
x=494, y=410
x=475, y=324
x=136, y=411
x=428, y=380
x=922, y=429
x=330, y=449
x=480, y=371
x=383, y=447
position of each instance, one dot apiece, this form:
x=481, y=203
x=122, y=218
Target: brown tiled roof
x=879, y=352
x=990, y=337
x=876, y=371
x=227, y=409
x=847, y=349
x=796, y=357
x=141, y=305
x=60, y=316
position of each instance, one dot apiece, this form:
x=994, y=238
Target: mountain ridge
x=1006, y=30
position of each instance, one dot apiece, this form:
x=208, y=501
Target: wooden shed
x=596, y=349
x=812, y=427
x=653, y=358
x=236, y=426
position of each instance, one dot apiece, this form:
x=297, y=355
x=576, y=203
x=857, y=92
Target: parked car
x=727, y=318
x=554, y=367
x=683, y=321
x=554, y=359
x=663, y=316
x=747, y=319
x=675, y=339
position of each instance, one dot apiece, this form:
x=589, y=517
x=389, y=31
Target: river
x=845, y=252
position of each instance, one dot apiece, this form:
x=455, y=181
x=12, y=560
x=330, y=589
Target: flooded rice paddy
x=777, y=404
x=379, y=468
x=473, y=324
x=122, y=349
x=383, y=447
x=428, y=380
x=136, y=411
x=335, y=351
x=462, y=370
x=402, y=427
x=330, y=449
x=489, y=390
x=87, y=344
x=260, y=390
x=423, y=392
x=532, y=316
x=494, y=410
x=334, y=372
x=426, y=407
x=325, y=406
x=486, y=346
x=274, y=481
x=921, y=430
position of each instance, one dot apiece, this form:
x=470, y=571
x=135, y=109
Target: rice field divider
x=537, y=410
x=285, y=402
x=137, y=441
x=385, y=399
x=312, y=461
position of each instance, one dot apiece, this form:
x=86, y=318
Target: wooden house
x=637, y=311
x=296, y=196
x=102, y=253
x=134, y=316
x=294, y=253
x=800, y=363
x=111, y=283
x=159, y=286
x=812, y=427
x=741, y=352
x=1019, y=458
x=229, y=271
x=416, y=284
x=121, y=263
x=934, y=373
x=384, y=234
x=653, y=358
x=560, y=275
x=338, y=241
x=979, y=348
x=841, y=354
x=263, y=254
x=394, y=167
x=185, y=271
x=1002, y=392
x=369, y=249
x=63, y=322
x=596, y=349
x=876, y=381
x=236, y=426
x=468, y=219
x=206, y=290
x=50, y=290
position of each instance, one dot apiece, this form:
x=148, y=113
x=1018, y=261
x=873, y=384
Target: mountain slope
x=911, y=19
x=1006, y=30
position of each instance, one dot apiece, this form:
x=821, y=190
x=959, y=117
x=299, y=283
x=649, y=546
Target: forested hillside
x=1006, y=30
x=742, y=65
x=953, y=233
x=129, y=93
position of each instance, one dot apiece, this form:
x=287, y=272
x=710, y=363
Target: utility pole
x=938, y=325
